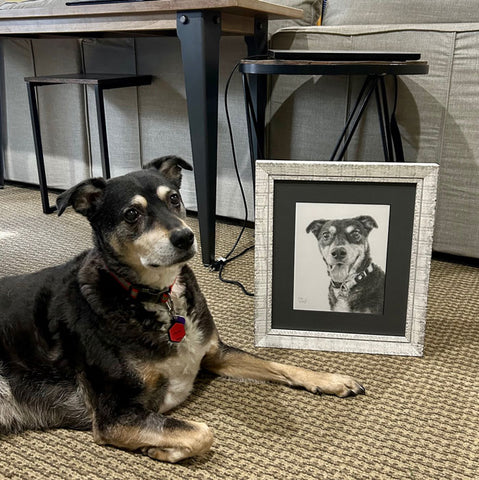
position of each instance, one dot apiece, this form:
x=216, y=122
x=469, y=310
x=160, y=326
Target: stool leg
x=387, y=121
x=37, y=138
x=361, y=103
x=382, y=121
x=258, y=87
x=256, y=130
x=100, y=112
x=394, y=129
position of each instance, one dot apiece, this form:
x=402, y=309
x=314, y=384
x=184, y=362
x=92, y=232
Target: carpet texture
x=418, y=420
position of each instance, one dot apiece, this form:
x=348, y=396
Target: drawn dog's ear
x=84, y=197
x=170, y=167
x=368, y=222
x=315, y=227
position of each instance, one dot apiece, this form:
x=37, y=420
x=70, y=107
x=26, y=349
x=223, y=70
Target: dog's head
x=138, y=217
x=343, y=244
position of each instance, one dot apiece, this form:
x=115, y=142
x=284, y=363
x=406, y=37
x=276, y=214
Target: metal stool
x=374, y=70
x=100, y=82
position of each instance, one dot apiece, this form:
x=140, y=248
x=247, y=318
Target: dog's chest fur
x=176, y=373
x=339, y=302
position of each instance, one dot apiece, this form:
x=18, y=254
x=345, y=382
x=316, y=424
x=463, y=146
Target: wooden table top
x=135, y=18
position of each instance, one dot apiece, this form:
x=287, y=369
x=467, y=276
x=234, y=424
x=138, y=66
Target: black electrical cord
x=221, y=262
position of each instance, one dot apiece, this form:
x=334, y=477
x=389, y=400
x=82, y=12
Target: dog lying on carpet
x=114, y=338
x=357, y=284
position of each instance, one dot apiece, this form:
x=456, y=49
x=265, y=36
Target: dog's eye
x=326, y=235
x=356, y=235
x=131, y=215
x=175, y=200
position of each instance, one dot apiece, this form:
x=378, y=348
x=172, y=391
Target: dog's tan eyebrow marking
x=163, y=192
x=139, y=200
x=350, y=228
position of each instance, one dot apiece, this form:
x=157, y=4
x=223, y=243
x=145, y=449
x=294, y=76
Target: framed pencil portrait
x=342, y=255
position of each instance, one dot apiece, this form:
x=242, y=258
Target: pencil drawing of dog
x=357, y=284
x=114, y=338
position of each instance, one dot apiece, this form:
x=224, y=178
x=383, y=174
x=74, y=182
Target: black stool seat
x=331, y=67
x=104, y=80
x=374, y=69
x=100, y=82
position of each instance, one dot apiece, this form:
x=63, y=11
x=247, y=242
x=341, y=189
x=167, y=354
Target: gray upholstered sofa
x=438, y=114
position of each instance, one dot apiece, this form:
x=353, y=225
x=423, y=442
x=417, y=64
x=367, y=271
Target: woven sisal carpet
x=419, y=419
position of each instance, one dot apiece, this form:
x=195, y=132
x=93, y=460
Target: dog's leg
x=162, y=438
x=232, y=362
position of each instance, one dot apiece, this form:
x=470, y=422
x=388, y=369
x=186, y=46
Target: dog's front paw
x=335, y=384
x=190, y=439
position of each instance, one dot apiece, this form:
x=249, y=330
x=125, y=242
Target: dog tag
x=177, y=331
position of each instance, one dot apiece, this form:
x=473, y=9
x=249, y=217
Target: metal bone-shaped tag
x=177, y=332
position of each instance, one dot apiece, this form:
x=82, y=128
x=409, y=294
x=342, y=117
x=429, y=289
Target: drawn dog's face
x=343, y=243
x=139, y=217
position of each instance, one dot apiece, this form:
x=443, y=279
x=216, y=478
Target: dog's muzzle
x=339, y=254
x=182, y=238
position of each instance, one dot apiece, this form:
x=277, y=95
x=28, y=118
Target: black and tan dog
x=114, y=338
x=357, y=284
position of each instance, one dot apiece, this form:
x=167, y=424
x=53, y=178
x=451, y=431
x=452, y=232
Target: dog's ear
x=315, y=227
x=170, y=167
x=367, y=221
x=83, y=197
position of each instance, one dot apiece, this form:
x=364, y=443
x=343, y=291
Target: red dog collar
x=141, y=293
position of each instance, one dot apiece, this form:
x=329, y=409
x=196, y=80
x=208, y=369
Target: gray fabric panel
x=372, y=12
x=457, y=229
x=20, y=163
x=62, y=128
x=62, y=113
x=421, y=98
x=162, y=108
x=121, y=106
x=164, y=120
x=306, y=112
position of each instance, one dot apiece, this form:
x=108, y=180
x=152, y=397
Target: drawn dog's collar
x=351, y=282
x=141, y=293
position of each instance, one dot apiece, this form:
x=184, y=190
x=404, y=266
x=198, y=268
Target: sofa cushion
x=9, y=4
x=311, y=9
x=372, y=12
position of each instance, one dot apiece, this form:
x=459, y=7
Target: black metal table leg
x=100, y=112
x=37, y=138
x=258, y=85
x=199, y=33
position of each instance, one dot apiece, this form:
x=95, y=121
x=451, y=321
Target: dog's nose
x=339, y=253
x=182, y=238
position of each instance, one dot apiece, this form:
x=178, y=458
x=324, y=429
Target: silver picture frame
x=290, y=192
